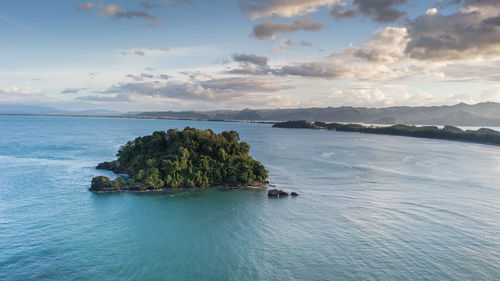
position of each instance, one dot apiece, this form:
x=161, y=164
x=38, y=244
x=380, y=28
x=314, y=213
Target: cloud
x=85, y=7
x=109, y=10
x=106, y=98
x=138, y=14
x=315, y=69
x=473, y=32
x=222, y=89
x=491, y=94
x=250, y=64
x=249, y=58
x=281, y=8
x=17, y=91
x=387, y=47
x=116, y=11
x=383, y=96
x=378, y=58
x=340, y=13
x=163, y=48
x=222, y=60
x=431, y=11
x=173, y=2
x=287, y=42
x=148, y=6
x=267, y=30
x=432, y=47
x=20, y=94
x=380, y=10
x=72, y=90
x=137, y=78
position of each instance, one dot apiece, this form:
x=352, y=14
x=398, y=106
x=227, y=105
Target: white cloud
x=282, y=8
x=14, y=90
x=109, y=10
x=431, y=11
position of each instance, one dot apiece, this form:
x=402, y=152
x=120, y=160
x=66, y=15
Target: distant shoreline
x=139, y=117
x=485, y=114
x=481, y=136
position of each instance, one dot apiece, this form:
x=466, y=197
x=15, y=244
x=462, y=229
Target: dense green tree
x=187, y=158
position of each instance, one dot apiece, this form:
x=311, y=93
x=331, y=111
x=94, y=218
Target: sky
x=130, y=55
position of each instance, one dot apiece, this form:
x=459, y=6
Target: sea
x=370, y=207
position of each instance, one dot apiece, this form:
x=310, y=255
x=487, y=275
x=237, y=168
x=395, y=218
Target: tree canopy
x=185, y=159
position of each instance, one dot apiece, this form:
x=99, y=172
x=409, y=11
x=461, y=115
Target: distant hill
x=42, y=110
x=481, y=114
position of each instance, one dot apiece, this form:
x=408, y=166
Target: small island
x=182, y=159
x=483, y=135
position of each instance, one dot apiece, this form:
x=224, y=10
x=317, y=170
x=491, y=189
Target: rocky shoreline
x=105, y=184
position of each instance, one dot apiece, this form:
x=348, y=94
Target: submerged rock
x=294, y=194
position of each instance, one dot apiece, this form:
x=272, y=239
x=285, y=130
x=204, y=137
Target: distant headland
x=486, y=114
x=483, y=135
x=182, y=159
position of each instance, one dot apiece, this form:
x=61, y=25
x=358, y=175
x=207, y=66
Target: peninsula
x=182, y=159
x=483, y=135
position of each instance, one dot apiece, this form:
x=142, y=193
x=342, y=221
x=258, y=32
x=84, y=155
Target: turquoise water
x=370, y=208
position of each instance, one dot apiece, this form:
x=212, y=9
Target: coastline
x=141, y=117
x=480, y=136
x=167, y=189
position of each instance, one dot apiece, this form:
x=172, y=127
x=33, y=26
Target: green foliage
x=105, y=183
x=483, y=135
x=297, y=124
x=190, y=158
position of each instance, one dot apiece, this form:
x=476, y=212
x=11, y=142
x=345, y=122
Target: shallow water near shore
x=371, y=207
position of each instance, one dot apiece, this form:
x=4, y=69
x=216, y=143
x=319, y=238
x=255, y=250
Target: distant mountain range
x=41, y=110
x=481, y=114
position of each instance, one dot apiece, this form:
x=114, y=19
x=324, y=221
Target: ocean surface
x=371, y=207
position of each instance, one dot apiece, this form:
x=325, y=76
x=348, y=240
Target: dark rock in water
x=273, y=193
x=114, y=166
x=106, y=184
x=294, y=194
x=276, y=193
x=282, y=193
x=101, y=183
x=105, y=166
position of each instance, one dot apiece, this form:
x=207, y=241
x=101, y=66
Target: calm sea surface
x=371, y=207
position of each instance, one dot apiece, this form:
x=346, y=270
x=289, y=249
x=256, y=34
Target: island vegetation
x=483, y=135
x=182, y=159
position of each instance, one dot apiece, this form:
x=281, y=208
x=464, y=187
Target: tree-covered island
x=182, y=159
x=483, y=135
